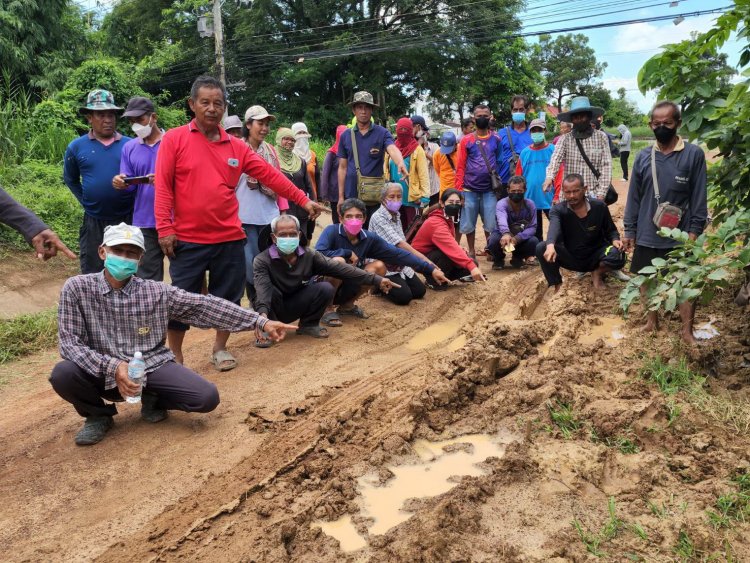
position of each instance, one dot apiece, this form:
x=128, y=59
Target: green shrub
x=38, y=185
x=26, y=334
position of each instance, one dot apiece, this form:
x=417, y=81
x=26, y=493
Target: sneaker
x=93, y=430
x=149, y=411
x=498, y=265
x=620, y=275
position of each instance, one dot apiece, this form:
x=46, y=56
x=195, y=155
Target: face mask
x=393, y=206
x=353, y=226
x=664, y=134
x=120, y=268
x=482, y=122
x=518, y=117
x=453, y=211
x=419, y=135
x=515, y=197
x=287, y=245
x=142, y=131
x=537, y=138
x=582, y=127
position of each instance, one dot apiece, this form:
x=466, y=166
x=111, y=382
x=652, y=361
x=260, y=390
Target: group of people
x=235, y=216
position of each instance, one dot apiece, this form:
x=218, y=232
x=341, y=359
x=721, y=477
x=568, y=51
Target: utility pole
x=219, y=41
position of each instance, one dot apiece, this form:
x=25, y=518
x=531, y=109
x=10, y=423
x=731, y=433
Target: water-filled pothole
x=610, y=330
x=433, y=334
x=440, y=466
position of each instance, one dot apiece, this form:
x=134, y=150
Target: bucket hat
x=99, y=100
x=363, y=98
x=580, y=104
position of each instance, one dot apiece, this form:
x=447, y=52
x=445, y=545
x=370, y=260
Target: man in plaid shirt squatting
x=104, y=318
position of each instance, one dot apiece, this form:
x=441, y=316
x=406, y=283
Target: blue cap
x=419, y=120
x=447, y=142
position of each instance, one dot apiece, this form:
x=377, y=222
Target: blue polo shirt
x=371, y=151
x=88, y=169
x=520, y=142
x=333, y=242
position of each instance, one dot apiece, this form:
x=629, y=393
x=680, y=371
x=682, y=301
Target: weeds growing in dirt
x=25, y=334
x=639, y=531
x=563, y=417
x=734, y=506
x=625, y=444
x=670, y=378
x=685, y=549
x=609, y=531
x=673, y=411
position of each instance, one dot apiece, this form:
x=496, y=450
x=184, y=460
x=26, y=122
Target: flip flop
x=223, y=361
x=264, y=341
x=482, y=252
x=331, y=319
x=355, y=311
x=314, y=331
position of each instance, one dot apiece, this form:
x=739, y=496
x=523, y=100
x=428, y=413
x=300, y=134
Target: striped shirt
x=597, y=149
x=100, y=326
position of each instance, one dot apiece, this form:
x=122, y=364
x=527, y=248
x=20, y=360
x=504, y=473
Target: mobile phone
x=137, y=180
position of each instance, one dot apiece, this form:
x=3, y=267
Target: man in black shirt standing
x=582, y=237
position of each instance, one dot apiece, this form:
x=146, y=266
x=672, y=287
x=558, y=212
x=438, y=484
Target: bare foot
x=649, y=327
x=688, y=338
x=557, y=287
x=598, y=280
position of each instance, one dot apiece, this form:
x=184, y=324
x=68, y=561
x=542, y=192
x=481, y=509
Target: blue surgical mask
x=518, y=117
x=537, y=138
x=287, y=245
x=120, y=268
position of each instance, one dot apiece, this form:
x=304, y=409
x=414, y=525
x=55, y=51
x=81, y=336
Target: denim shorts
x=476, y=204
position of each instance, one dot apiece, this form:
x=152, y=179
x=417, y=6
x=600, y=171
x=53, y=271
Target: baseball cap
x=447, y=142
x=232, y=122
x=419, y=120
x=257, y=112
x=99, y=100
x=138, y=106
x=538, y=123
x=123, y=234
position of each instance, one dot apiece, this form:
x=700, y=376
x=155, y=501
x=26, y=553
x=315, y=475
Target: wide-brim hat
x=580, y=104
x=363, y=98
x=99, y=100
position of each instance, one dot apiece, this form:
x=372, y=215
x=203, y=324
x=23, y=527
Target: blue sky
x=626, y=48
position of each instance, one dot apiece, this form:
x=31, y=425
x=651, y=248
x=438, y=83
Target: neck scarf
x=302, y=142
x=266, y=152
x=405, y=141
x=339, y=131
x=288, y=161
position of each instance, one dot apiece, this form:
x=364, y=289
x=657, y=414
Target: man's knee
x=209, y=398
x=376, y=267
x=325, y=291
x=62, y=375
x=541, y=247
x=401, y=296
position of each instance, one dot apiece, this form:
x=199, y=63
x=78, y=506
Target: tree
x=567, y=64
x=622, y=110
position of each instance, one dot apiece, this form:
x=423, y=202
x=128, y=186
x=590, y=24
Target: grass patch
x=733, y=506
x=685, y=549
x=671, y=378
x=564, y=417
x=26, y=334
x=593, y=540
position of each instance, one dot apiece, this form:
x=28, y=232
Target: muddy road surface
x=494, y=415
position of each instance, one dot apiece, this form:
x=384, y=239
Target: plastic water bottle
x=136, y=371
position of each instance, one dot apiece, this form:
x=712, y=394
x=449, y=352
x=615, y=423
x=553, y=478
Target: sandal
x=263, y=341
x=355, y=311
x=331, y=319
x=314, y=331
x=223, y=361
x=482, y=252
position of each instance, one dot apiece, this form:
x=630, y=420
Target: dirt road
x=300, y=423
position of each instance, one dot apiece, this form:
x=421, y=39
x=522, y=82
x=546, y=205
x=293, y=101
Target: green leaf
x=658, y=262
x=647, y=270
x=719, y=274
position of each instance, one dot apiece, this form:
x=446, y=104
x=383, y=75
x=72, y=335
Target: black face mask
x=482, y=122
x=515, y=197
x=453, y=211
x=582, y=127
x=664, y=134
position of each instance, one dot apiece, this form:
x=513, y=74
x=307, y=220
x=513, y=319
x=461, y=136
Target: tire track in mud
x=169, y=535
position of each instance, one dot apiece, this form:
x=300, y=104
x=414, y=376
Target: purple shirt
x=139, y=159
x=506, y=217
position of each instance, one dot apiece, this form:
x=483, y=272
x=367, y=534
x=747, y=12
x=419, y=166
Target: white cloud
x=640, y=36
x=613, y=84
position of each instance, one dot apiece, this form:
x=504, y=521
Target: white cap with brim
x=256, y=113
x=123, y=234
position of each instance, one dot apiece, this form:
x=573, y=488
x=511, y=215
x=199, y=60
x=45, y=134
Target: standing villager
x=329, y=179
x=584, y=139
x=417, y=186
x=668, y=188
x=302, y=149
x=90, y=163
x=197, y=212
x=361, y=173
x=258, y=204
x=514, y=138
x=294, y=168
x=138, y=159
x=626, y=138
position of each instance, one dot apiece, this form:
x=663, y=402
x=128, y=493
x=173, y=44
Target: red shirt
x=196, y=180
x=439, y=232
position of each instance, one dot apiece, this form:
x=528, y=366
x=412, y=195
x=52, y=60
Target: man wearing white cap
x=105, y=318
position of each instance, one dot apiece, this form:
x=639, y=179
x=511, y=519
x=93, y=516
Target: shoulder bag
x=497, y=185
x=368, y=187
x=666, y=215
x=611, y=195
x=514, y=155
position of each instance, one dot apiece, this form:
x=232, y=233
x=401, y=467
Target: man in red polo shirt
x=196, y=209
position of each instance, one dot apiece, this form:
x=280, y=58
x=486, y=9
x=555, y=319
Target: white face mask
x=142, y=131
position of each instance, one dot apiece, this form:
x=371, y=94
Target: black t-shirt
x=582, y=236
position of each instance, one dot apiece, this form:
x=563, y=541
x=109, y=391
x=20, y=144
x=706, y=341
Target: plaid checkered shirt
x=99, y=326
x=597, y=149
x=389, y=228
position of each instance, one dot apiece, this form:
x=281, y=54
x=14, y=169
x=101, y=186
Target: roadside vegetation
x=27, y=334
